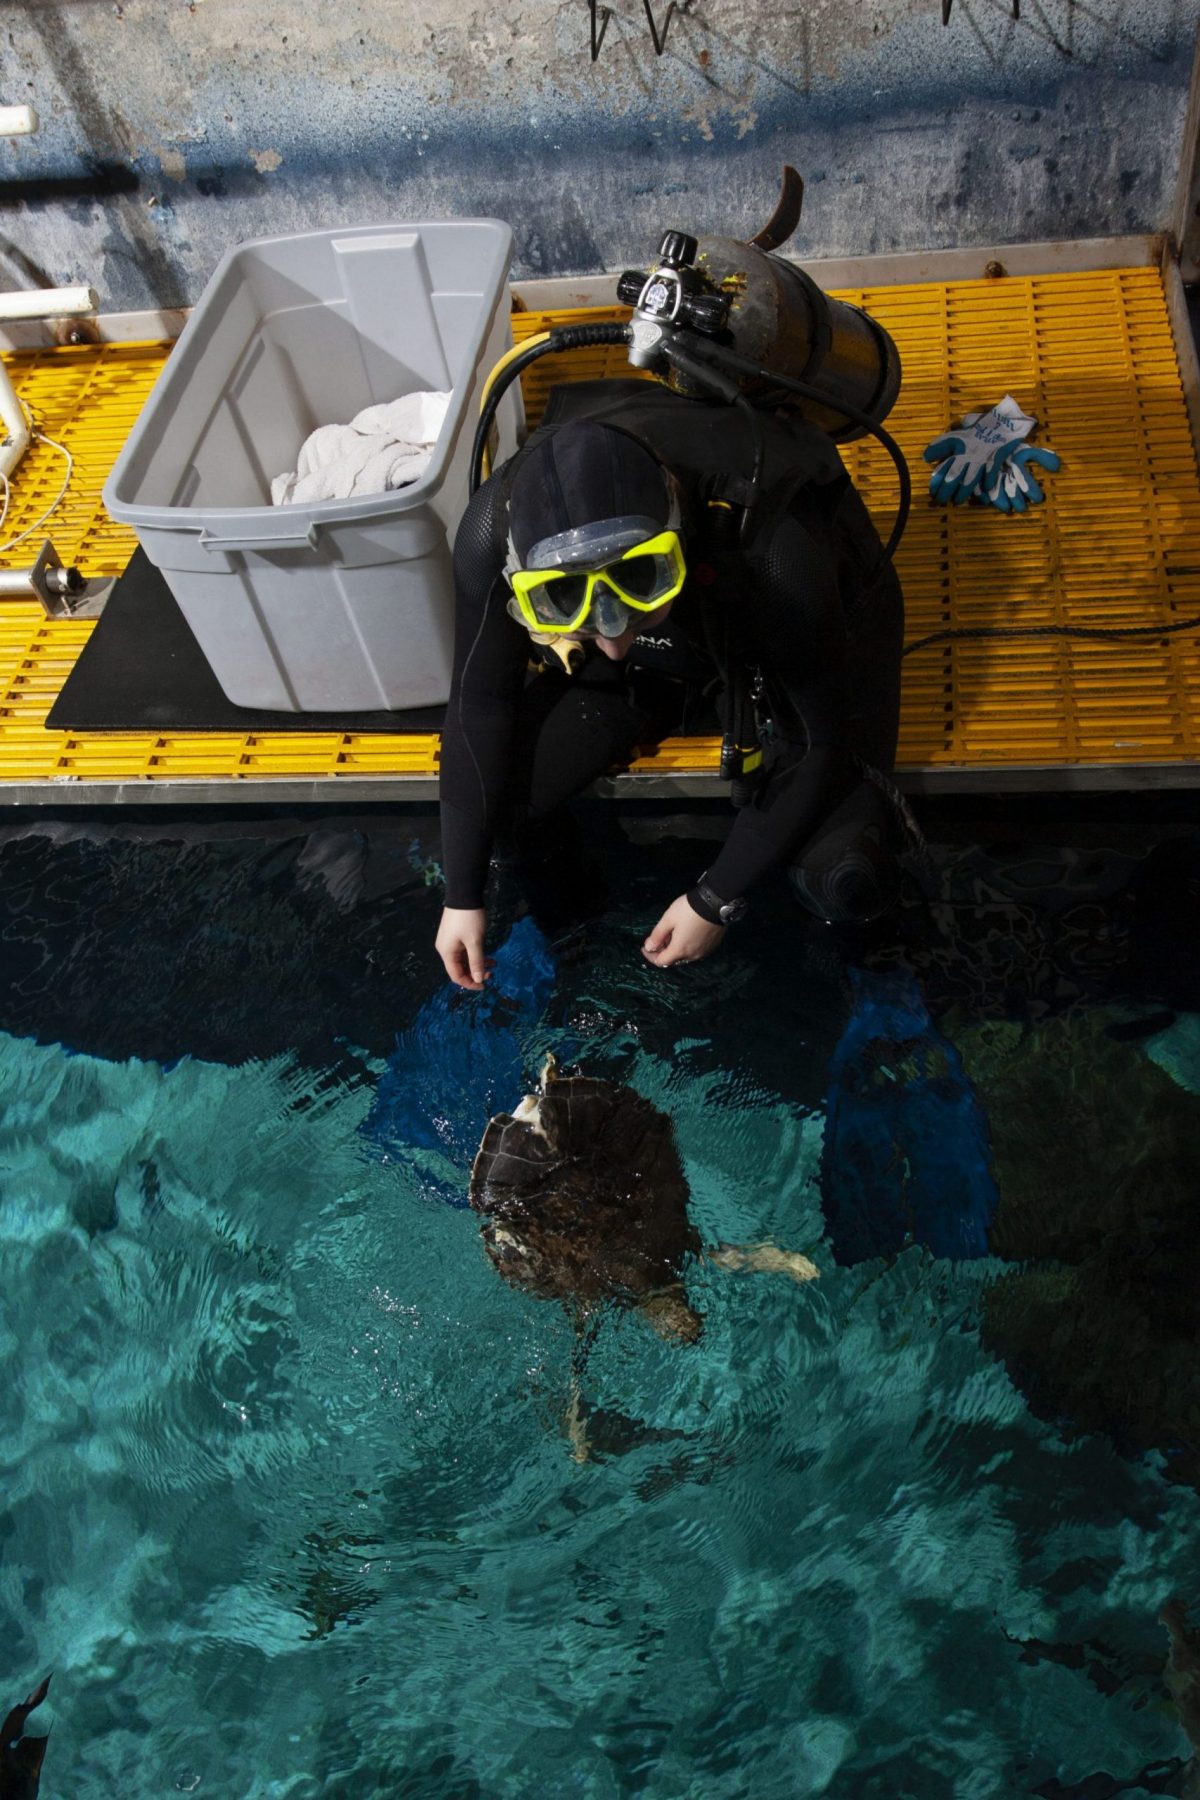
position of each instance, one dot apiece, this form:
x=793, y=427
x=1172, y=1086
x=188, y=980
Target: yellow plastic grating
x=87, y=399
x=1117, y=543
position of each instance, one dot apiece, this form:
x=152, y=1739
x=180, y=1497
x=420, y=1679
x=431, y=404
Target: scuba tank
x=770, y=313
x=779, y=317
x=731, y=321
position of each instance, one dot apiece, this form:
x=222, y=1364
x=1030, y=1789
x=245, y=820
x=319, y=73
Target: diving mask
x=598, y=579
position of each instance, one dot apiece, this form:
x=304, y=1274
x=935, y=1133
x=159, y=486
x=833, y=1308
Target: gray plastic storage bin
x=345, y=605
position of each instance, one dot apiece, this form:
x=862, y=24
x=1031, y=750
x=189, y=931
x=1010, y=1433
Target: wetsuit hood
x=580, y=475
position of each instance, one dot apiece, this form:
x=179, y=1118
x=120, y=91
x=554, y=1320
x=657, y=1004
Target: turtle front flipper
x=765, y=1259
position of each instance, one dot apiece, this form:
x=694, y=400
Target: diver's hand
x=459, y=943
x=681, y=936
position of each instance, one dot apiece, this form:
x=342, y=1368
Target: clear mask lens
x=558, y=602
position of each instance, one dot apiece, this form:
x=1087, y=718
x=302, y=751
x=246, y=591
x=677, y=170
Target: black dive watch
x=711, y=907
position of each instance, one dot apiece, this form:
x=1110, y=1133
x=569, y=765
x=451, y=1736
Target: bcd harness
x=746, y=725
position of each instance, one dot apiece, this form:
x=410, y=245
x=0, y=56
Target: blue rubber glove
x=1011, y=486
x=982, y=441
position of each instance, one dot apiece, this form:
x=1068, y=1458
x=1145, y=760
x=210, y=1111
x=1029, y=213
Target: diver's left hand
x=681, y=936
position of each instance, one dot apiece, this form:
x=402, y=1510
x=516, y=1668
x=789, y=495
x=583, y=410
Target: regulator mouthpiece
x=569, y=650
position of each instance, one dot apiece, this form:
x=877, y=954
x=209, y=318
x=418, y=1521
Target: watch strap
x=711, y=907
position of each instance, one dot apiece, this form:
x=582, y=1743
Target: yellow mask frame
x=525, y=582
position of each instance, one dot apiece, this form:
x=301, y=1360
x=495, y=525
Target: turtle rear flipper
x=575, y=1425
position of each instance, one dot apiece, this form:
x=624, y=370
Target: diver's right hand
x=459, y=943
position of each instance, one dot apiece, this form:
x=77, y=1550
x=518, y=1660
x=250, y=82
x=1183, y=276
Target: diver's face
x=618, y=648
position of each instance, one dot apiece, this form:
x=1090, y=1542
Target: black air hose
x=567, y=337
x=700, y=350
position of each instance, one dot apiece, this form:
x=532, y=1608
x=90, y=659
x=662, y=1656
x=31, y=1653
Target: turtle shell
x=584, y=1194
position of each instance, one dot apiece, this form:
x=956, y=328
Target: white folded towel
x=385, y=446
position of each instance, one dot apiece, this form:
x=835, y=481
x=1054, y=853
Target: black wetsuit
x=516, y=748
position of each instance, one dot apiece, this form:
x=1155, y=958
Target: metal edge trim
x=1185, y=345
x=1064, y=778
x=1065, y=256
x=1052, y=257
x=1185, y=212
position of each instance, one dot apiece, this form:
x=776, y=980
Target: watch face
x=732, y=911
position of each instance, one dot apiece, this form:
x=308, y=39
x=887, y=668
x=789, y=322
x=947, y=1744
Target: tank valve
x=674, y=293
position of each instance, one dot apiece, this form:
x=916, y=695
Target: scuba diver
x=623, y=550
x=655, y=546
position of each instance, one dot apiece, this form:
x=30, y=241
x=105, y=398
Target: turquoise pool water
x=288, y=1506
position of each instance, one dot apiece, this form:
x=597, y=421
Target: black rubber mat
x=142, y=670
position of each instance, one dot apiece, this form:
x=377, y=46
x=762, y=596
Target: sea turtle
x=20, y=1756
x=584, y=1200
x=1183, y=1683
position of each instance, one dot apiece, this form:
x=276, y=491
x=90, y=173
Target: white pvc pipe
x=48, y=303
x=17, y=121
x=16, y=425
x=32, y=303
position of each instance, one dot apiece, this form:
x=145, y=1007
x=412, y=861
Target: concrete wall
x=170, y=130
